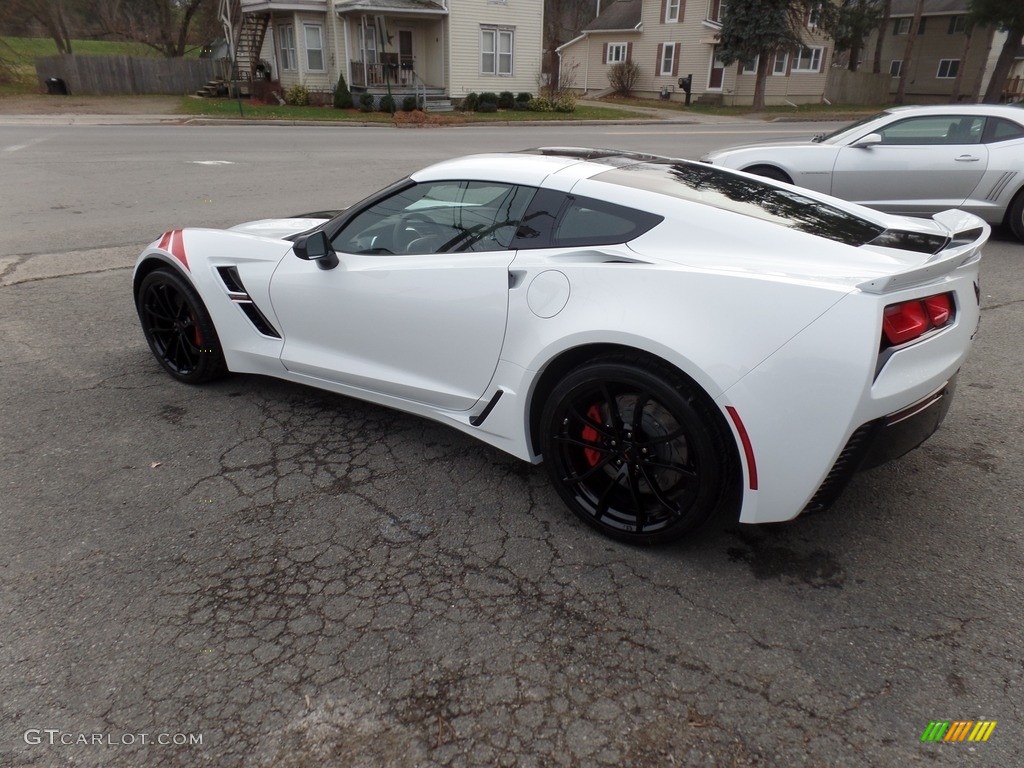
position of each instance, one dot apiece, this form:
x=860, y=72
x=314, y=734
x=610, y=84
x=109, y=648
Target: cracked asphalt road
x=302, y=579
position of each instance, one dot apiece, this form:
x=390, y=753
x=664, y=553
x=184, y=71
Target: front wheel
x=635, y=451
x=770, y=172
x=1015, y=216
x=178, y=328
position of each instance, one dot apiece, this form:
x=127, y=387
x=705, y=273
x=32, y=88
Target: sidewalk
x=38, y=109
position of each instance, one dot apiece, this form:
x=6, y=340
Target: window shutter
x=629, y=52
x=664, y=11
x=920, y=25
x=682, y=10
x=675, y=60
x=657, y=65
x=604, y=54
x=821, y=64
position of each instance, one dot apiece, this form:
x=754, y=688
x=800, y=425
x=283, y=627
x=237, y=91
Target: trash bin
x=55, y=86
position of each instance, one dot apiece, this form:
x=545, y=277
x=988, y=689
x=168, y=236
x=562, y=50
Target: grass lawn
x=228, y=108
x=20, y=54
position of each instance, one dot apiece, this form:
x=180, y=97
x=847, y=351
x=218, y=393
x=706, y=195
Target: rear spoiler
x=967, y=234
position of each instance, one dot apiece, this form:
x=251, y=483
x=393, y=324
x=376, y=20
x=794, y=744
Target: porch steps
x=213, y=88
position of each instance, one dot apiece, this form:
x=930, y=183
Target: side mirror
x=864, y=142
x=316, y=247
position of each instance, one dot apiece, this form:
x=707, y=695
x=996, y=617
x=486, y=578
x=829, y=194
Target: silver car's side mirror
x=870, y=140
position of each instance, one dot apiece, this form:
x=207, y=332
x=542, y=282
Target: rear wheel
x=634, y=450
x=770, y=172
x=178, y=328
x=1015, y=217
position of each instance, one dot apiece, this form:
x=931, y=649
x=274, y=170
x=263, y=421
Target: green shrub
x=506, y=100
x=487, y=106
x=387, y=104
x=470, y=102
x=297, y=96
x=565, y=103
x=524, y=96
x=342, y=95
x=542, y=104
x=366, y=102
x=489, y=96
x=409, y=103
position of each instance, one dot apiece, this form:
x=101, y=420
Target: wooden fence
x=105, y=75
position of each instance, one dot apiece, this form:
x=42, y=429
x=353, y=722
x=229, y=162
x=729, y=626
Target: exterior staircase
x=250, y=42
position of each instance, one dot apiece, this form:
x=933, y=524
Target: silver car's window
x=934, y=129
x=438, y=217
x=1003, y=130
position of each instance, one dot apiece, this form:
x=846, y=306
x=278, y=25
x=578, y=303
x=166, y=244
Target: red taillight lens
x=939, y=309
x=905, y=322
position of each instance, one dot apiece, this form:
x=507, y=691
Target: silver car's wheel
x=1015, y=217
x=769, y=172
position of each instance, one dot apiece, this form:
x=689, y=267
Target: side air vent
x=237, y=293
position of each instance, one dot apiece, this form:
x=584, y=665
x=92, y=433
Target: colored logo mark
x=958, y=730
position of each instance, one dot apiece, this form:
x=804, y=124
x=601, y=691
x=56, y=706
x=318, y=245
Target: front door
x=416, y=307
x=923, y=165
x=717, y=71
x=406, y=62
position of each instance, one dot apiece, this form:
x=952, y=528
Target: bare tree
x=908, y=51
x=52, y=15
x=161, y=24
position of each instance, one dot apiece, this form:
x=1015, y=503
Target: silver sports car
x=915, y=161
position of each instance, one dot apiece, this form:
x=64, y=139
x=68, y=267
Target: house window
x=807, y=60
x=715, y=10
x=617, y=53
x=957, y=25
x=896, y=67
x=813, y=17
x=672, y=10
x=496, y=46
x=667, y=59
x=750, y=67
x=781, y=64
x=314, y=47
x=903, y=26
x=948, y=69
x=288, y=60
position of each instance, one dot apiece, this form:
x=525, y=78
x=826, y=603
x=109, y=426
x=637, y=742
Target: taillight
x=911, y=319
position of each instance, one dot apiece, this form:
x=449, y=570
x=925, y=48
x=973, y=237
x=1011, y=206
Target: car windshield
x=828, y=138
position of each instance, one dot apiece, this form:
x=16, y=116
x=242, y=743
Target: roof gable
x=620, y=15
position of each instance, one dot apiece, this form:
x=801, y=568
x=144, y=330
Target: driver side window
x=934, y=129
x=438, y=217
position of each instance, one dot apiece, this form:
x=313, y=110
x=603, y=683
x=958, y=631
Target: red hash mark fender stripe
x=173, y=242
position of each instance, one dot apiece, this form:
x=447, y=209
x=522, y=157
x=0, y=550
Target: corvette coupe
x=671, y=338
x=914, y=161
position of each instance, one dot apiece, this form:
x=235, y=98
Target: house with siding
x=444, y=47
x=948, y=56
x=673, y=39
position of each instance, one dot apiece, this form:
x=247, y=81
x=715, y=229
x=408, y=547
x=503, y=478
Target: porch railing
x=1014, y=89
x=377, y=74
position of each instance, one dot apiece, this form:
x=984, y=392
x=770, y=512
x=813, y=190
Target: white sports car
x=913, y=161
x=673, y=339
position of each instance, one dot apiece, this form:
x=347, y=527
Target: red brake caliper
x=591, y=435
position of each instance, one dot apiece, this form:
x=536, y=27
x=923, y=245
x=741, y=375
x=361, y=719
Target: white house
x=449, y=46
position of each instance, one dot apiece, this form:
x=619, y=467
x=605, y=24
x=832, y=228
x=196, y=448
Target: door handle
x=967, y=159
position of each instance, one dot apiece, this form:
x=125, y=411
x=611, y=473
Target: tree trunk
x=761, y=81
x=854, y=54
x=883, y=29
x=964, y=53
x=1014, y=37
x=908, y=52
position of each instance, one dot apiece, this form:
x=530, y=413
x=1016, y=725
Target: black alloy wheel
x=634, y=450
x=178, y=328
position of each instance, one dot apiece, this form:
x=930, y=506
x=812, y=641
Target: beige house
x=946, y=56
x=446, y=48
x=673, y=39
